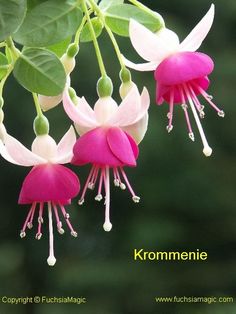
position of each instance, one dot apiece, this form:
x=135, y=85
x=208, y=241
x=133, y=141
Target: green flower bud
x=125, y=75
x=1, y=115
x=41, y=125
x=104, y=87
x=1, y=102
x=72, y=94
x=72, y=50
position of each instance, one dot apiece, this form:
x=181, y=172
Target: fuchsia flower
x=180, y=72
x=109, y=138
x=48, y=183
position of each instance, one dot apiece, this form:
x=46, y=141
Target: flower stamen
x=206, y=148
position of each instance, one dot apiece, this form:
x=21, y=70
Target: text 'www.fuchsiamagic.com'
x=195, y=299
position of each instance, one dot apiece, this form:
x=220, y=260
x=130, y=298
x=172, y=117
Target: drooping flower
x=181, y=73
x=109, y=138
x=48, y=184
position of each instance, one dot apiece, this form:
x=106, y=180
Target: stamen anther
x=98, y=197
x=122, y=186
x=191, y=136
x=38, y=236
x=221, y=113
x=22, y=234
x=169, y=128
x=81, y=201
x=136, y=199
x=74, y=234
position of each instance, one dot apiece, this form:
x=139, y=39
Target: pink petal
x=128, y=111
x=183, y=67
x=133, y=144
x=49, y=182
x=148, y=45
x=194, y=40
x=20, y=154
x=49, y=102
x=79, y=113
x=148, y=66
x=65, y=147
x=123, y=146
x=92, y=147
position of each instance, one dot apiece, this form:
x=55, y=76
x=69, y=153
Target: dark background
x=188, y=200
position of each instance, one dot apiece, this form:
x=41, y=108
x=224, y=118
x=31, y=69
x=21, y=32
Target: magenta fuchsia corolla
x=181, y=73
x=109, y=137
x=48, y=184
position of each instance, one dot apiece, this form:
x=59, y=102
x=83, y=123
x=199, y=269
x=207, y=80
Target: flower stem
x=37, y=105
x=95, y=42
x=109, y=32
x=77, y=35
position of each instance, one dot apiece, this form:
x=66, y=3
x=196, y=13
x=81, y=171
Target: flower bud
x=72, y=50
x=125, y=75
x=3, y=132
x=125, y=88
x=73, y=95
x=49, y=102
x=68, y=63
x=41, y=125
x=1, y=116
x=104, y=87
x=1, y=102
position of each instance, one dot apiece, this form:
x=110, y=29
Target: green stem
x=144, y=9
x=77, y=35
x=37, y=105
x=3, y=81
x=95, y=42
x=109, y=32
x=14, y=51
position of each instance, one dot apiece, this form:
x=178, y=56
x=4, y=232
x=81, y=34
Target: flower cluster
x=108, y=133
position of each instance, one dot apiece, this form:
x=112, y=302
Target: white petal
x=5, y=155
x=128, y=111
x=149, y=46
x=20, y=154
x=148, y=66
x=194, y=40
x=104, y=108
x=45, y=147
x=138, y=129
x=78, y=113
x=65, y=147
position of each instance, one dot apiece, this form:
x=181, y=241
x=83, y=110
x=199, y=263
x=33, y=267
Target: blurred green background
x=188, y=200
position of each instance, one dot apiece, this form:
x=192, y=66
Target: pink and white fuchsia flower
x=109, y=138
x=47, y=183
x=180, y=72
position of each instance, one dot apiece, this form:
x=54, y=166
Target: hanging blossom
x=48, y=184
x=180, y=72
x=109, y=135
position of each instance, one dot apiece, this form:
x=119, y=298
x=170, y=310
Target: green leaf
x=12, y=13
x=106, y=4
x=40, y=71
x=33, y=3
x=49, y=23
x=97, y=26
x=60, y=48
x=118, y=16
x=3, y=64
